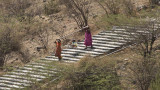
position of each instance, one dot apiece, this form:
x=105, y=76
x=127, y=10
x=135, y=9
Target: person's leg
x=60, y=57
x=85, y=47
x=91, y=46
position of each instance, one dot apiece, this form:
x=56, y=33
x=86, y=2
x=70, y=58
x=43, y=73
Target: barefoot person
x=58, y=49
x=88, y=37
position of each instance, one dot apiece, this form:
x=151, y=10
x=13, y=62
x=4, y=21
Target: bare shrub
x=78, y=10
x=145, y=34
x=129, y=7
x=142, y=72
x=91, y=74
x=9, y=42
x=103, y=7
x=16, y=7
x=112, y=5
x=51, y=7
x=44, y=34
x=145, y=67
x=153, y=2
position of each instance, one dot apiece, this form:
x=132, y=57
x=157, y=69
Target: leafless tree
x=129, y=7
x=8, y=43
x=145, y=34
x=103, y=7
x=78, y=10
x=145, y=67
x=42, y=33
x=112, y=5
x=51, y=7
x=141, y=72
x=152, y=2
x=16, y=7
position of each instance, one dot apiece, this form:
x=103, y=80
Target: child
x=74, y=44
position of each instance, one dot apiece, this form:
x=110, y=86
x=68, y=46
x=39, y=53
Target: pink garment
x=88, y=39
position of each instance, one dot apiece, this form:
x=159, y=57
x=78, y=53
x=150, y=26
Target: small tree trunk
x=1, y=62
x=103, y=8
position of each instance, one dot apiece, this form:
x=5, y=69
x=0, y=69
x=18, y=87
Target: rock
x=64, y=26
x=126, y=59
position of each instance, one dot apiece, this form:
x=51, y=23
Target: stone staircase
x=104, y=43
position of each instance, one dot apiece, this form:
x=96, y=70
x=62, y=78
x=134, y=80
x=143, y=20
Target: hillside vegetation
x=27, y=25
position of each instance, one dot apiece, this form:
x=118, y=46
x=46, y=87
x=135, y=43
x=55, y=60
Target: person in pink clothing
x=88, y=37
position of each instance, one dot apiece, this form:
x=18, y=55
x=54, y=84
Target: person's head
x=78, y=40
x=87, y=29
x=58, y=40
x=73, y=40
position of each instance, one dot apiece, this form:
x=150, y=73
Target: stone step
x=107, y=31
x=28, y=75
x=39, y=64
x=113, y=37
x=70, y=59
x=85, y=54
x=39, y=70
x=146, y=32
x=114, y=34
x=110, y=40
x=103, y=45
x=90, y=52
x=43, y=60
x=108, y=34
x=70, y=52
x=68, y=55
x=125, y=32
x=99, y=47
x=81, y=53
x=42, y=67
x=107, y=39
x=16, y=78
x=132, y=32
x=51, y=59
x=33, y=72
x=66, y=58
x=14, y=83
x=85, y=50
x=103, y=48
x=104, y=42
x=100, y=38
x=119, y=29
x=4, y=88
x=10, y=86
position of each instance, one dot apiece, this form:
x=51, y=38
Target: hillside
x=34, y=28
x=29, y=25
